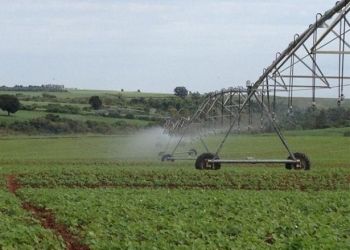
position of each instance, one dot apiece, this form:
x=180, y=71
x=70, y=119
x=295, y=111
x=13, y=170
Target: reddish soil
x=269, y=239
x=12, y=184
x=131, y=186
x=47, y=219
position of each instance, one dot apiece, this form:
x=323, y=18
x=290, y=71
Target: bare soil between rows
x=47, y=218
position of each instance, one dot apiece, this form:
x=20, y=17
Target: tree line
x=35, y=88
x=180, y=106
x=316, y=118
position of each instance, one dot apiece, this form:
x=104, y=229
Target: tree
x=9, y=103
x=95, y=102
x=181, y=92
x=321, y=120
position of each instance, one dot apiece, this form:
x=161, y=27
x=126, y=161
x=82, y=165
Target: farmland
x=103, y=192
x=199, y=219
x=229, y=156
x=18, y=230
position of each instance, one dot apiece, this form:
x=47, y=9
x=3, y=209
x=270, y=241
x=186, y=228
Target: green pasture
x=24, y=115
x=70, y=98
x=41, y=104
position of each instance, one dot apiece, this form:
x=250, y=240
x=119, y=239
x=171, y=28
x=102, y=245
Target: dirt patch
x=48, y=221
x=269, y=239
x=130, y=186
x=12, y=184
x=47, y=218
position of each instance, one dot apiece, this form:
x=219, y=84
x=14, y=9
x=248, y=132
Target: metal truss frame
x=218, y=109
x=326, y=37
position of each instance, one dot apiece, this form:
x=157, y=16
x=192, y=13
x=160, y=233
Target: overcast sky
x=149, y=45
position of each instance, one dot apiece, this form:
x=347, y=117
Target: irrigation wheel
x=202, y=162
x=192, y=152
x=305, y=163
x=167, y=157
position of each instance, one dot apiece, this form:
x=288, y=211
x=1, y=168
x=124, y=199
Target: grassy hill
x=121, y=110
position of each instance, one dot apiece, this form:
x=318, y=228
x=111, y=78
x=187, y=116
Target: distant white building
x=53, y=86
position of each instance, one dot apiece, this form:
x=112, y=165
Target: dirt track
x=47, y=219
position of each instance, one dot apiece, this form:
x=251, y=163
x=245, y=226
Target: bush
x=66, y=109
x=347, y=133
x=95, y=102
x=129, y=116
x=99, y=127
x=111, y=113
x=53, y=117
x=29, y=107
x=48, y=96
x=54, y=124
x=23, y=126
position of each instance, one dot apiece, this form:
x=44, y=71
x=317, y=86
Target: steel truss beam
x=217, y=109
x=300, y=60
x=303, y=59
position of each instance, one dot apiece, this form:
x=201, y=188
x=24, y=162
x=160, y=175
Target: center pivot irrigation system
x=313, y=61
x=215, y=113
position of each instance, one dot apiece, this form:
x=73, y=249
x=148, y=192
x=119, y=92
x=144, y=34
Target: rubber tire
x=304, y=162
x=167, y=157
x=201, y=163
x=192, y=152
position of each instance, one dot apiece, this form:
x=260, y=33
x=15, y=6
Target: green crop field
x=196, y=219
x=18, y=230
x=220, y=158
x=113, y=192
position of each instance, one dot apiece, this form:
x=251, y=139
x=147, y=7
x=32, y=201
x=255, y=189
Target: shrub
x=65, y=109
x=121, y=123
x=99, y=127
x=129, y=116
x=54, y=124
x=111, y=113
x=29, y=107
x=48, y=96
x=95, y=102
x=53, y=117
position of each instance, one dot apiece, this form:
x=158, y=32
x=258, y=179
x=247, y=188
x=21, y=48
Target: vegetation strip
x=47, y=218
x=181, y=180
